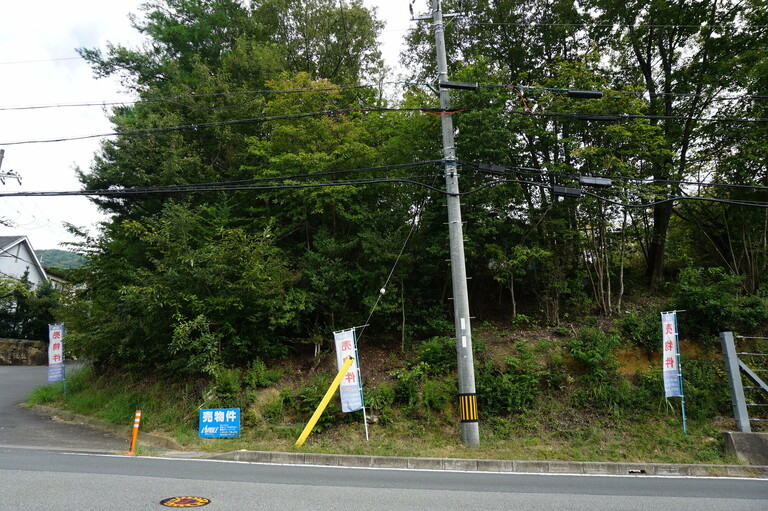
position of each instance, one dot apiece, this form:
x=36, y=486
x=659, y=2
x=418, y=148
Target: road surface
x=51, y=465
x=25, y=427
x=41, y=480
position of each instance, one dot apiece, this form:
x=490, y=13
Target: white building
x=18, y=257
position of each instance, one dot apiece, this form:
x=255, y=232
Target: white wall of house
x=18, y=258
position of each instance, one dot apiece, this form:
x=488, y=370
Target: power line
x=213, y=188
x=606, y=117
x=174, y=100
x=437, y=111
x=533, y=24
x=8, y=63
x=715, y=97
x=234, y=122
x=641, y=180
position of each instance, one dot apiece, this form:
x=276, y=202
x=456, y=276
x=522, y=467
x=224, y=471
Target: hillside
x=579, y=393
x=61, y=259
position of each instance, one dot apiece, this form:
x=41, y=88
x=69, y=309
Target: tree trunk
x=654, y=272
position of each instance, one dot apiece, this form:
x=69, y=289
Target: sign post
x=351, y=388
x=671, y=367
x=56, y=369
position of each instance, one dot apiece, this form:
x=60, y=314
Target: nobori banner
x=55, y=352
x=670, y=356
x=219, y=423
x=350, y=389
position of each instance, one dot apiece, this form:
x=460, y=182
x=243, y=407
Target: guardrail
x=752, y=364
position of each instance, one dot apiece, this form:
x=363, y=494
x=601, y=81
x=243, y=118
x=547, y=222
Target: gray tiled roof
x=9, y=240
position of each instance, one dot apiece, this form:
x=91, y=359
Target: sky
x=40, y=68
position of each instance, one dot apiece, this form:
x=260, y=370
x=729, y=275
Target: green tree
x=26, y=311
x=680, y=53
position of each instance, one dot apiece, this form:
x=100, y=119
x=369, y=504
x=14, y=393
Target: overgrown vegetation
x=560, y=399
x=284, y=203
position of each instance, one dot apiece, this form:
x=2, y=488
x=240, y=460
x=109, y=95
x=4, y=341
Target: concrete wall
x=15, y=352
x=751, y=448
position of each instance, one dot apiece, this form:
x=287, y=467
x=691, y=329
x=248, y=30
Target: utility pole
x=470, y=434
x=11, y=174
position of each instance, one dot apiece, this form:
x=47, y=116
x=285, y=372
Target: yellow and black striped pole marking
x=468, y=407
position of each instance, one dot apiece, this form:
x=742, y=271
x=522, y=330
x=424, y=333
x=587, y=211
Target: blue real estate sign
x=219, y=422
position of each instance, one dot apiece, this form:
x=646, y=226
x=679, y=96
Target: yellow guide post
x=326, y=399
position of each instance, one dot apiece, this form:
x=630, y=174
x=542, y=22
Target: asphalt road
x=21, y=426
x=42, y=480
x=46, y=465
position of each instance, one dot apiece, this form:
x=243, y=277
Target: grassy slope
x=553, y=427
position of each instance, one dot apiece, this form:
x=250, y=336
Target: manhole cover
x=185, y=502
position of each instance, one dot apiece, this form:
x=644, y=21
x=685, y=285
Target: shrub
x=706, y=389
x=228, y=387
x=521, y=321
x=408, y=384
x=593, y=348
x=380, y=398
x=437, y=394
x=439, y=353
x=512, y=388
x=258, y=376
x=712, y=303
x=557, y=374
x=642, y=330
x=601, y=385
x=310, y=395
x=613, y=393
x=273, y=411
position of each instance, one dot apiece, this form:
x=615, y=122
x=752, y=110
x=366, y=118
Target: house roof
x=8, y=242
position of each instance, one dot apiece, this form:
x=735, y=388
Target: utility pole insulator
x=585, y=94
x=595, y=181
x=492, y=169
x=564, y=191
x=459, y=85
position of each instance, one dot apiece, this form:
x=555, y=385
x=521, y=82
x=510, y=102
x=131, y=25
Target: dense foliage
x=265, y=98
x=25, y=310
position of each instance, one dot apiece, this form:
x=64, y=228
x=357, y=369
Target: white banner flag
x=351, y=390
x=55, y=352
x=670, y=356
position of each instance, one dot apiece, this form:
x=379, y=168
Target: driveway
x=25, y=427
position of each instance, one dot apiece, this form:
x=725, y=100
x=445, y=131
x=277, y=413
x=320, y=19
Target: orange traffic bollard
x=136, y=422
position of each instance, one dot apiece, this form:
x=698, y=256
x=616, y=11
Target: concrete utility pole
x=470, y=434
x=10, y=173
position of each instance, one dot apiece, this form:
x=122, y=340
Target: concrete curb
x=450, y=464
x=538, y=467
x=147, y=438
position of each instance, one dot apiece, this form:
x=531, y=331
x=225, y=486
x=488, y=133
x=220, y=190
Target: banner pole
x=324, y=403
x=680, y=370
x=360, y=381
x=63, y=361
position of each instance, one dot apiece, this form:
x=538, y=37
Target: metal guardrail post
x=734, y=382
